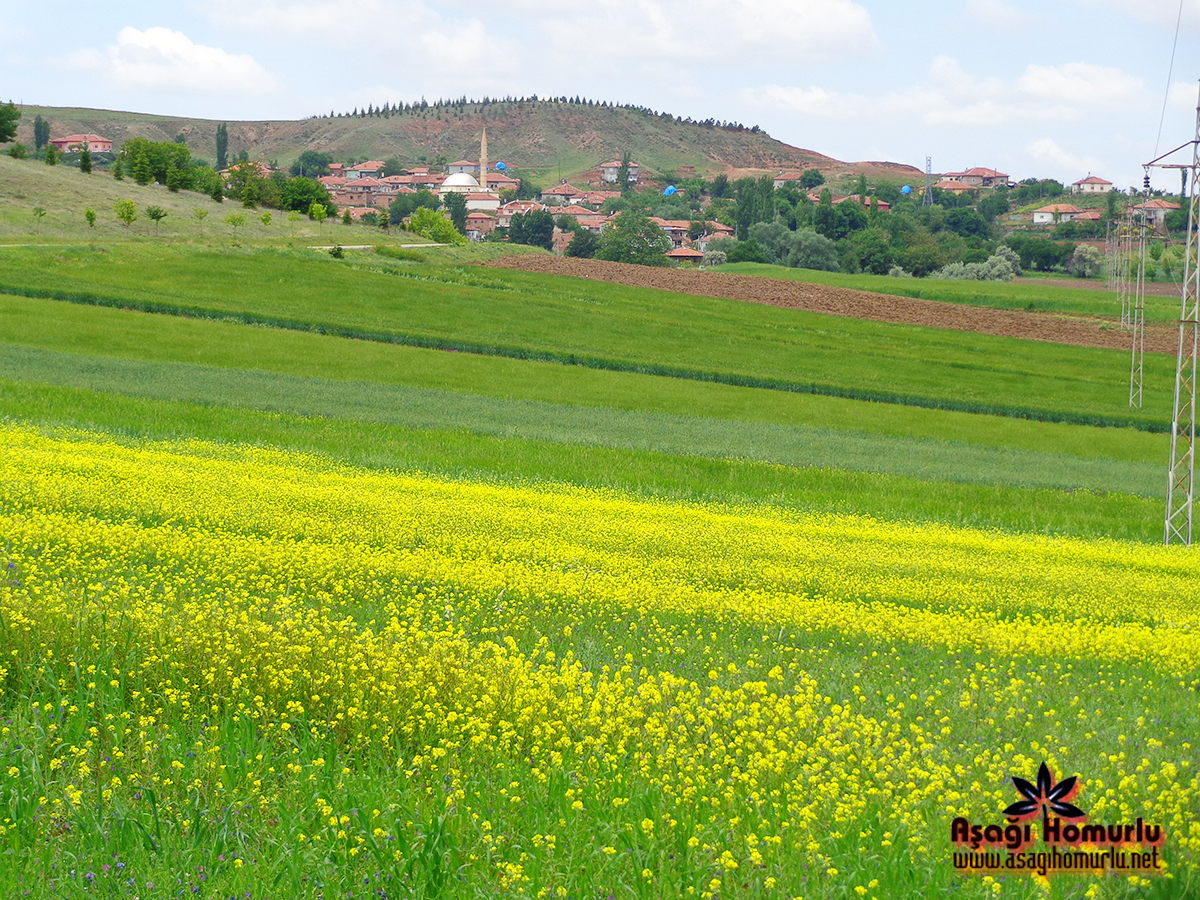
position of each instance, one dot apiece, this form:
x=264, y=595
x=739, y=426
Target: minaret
x=483, y=163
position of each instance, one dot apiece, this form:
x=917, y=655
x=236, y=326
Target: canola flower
x=561, y=688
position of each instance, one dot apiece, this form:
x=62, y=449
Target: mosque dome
x=460, y=181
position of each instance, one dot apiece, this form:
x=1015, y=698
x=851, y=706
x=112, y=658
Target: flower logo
x=1046, y=797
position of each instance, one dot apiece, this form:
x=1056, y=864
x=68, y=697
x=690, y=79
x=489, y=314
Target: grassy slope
x=515, y=313
x=544, y=140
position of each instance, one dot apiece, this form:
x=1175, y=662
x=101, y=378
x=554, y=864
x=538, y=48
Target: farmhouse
x=1055, y=212
x=979, y=177
x=78, y=142
x=1091, y=185
x=610, y=170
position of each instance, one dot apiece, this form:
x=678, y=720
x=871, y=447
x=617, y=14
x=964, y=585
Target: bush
x=17, y=151
x=1085, y=262
x=898, y=272
x=715, y=258
x=747, y=251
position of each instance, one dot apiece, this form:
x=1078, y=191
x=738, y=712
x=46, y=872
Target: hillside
x=543, y=140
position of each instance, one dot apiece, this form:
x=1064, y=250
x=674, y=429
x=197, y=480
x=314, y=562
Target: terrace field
x=379, y=578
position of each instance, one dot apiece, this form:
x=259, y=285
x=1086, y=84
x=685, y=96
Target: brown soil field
x=834, y=301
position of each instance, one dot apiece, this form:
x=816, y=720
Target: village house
x=480, y=225
x=515, y=207
x=563, y=194
x=73, y=143
x=979, y=177
x=685, y=255
x=1054, y=213
x=954, y=187
x=610, y=170
x=370, y=169
x=786, y=178
x=1091, y=185
x=463, y=167
x=1156, y=211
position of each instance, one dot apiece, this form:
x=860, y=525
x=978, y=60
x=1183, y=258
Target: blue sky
x=1058, y=88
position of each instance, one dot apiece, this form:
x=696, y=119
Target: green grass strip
x=465, y=454
x=561, y=423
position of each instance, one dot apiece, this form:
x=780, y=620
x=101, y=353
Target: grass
x=522, y=315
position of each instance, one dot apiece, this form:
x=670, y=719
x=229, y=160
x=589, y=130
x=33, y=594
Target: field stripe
x=415, y=407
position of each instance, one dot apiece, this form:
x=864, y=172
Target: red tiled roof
x=1093, y=179
x=1059, y=208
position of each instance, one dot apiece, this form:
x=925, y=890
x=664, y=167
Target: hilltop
x=546, y=140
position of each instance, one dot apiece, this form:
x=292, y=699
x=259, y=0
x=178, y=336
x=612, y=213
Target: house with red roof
x=979, y=177
x=612, y=168
x=563, y=193
x=1155, y=211
x=1055, y=212
x=77, y=143
x=370, y=169
x=1093, y=184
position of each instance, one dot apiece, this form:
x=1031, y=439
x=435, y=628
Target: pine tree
x=85, y=161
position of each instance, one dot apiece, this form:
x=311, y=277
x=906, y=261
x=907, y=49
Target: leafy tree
x=222, y=146
x=720, y=187
x=535, y=228
x=631, y=237
x=775, y=240
x=235, y=220
x=89, y=215
x=16, y=151
x=456, y=205
x=38, y=213
x=301, y=193
x=584, y=245
x=41, y=133
x=813, y=251
x=995, y=204
x=318, y=212
x=200, y=214
x=218, y=192
x=747, y=251
x=393, y=166
x=118, y=170
x=293, y=217
x=755, y=203
x=812, y=178
x=851, y=217
x=311, y=164
x=433, y=225
x=9, y=116
x=156, y=214
x=126, y=211
x=85, y=161
x=174, y=179
x=868, y=251
x=968, y=223
x=1086, y=261
x=51, y=155
x=405, y=204
x=265, y=218
x=347, y=219
x=825, y=220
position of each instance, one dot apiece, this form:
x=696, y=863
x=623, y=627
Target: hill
x=545, y=140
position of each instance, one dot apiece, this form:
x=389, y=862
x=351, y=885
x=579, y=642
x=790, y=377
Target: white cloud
x=1183, y=95
x=162, y=59
x=1048, y=152
x=1081, y=84
x=809, y=101
x=996, y=15
x=951, y=97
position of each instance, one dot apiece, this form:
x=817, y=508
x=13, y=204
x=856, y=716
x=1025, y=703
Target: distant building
x=78, y=142
x=1155, y=211
x=1091, y=185
x=979, y=177
x=371, y=169
x=610, y=170
x=1055, y=212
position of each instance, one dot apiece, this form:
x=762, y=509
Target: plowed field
x=854, y=304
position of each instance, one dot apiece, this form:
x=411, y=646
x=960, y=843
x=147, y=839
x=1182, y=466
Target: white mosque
x=479, y=195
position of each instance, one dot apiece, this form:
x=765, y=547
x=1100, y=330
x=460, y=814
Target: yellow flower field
x=279, y=675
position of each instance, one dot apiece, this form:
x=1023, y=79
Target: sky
x=1056, y=88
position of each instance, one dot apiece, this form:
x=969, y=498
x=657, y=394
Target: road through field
x=837, y=301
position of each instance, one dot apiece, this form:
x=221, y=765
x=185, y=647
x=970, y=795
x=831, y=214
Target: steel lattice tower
x=1181, y=484
x=928, y=200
